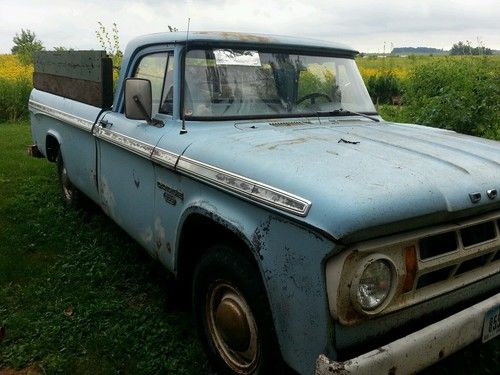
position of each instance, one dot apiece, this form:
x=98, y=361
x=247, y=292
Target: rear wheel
x=233, y=314
x=72, y=197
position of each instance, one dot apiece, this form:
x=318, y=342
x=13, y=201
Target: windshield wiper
x=345, y=112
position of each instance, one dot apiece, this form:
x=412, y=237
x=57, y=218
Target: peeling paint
x=147, y=236
x=160, y=235
x=108, y=201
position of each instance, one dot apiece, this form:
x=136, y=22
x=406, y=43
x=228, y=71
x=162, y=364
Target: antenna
x=183, y=128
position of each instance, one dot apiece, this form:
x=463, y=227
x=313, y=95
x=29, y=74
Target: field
x=77, y=295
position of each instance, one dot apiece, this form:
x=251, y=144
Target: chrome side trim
x=164, y=158
x=128, y=143
x=248, y=188
x=244, y=186
x=57, y=114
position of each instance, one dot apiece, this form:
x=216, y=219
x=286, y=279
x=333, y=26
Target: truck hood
x=361, y=176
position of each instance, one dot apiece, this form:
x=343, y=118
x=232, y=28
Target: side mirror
x=138, y=99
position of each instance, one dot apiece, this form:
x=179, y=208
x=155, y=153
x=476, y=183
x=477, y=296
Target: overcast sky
x=363, y=24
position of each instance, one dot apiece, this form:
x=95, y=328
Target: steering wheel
x=312, y=97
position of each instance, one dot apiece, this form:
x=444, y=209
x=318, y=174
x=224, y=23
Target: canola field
x=460, y=93
x=15, y=86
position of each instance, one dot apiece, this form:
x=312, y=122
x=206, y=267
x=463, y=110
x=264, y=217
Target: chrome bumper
x=419, y=349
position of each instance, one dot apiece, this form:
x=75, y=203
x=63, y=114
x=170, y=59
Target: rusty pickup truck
x=313, y=235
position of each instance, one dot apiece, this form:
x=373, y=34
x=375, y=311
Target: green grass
x=52, y=260
x=124, y=318
x=14, y=94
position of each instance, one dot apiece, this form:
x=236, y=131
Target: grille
x=437, y=245
x=457, y=252
x=478, y=234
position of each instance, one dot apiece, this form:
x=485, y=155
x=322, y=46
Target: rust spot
x=240, y=36
x=392, y=371
x=351, y=316
x=339, y=368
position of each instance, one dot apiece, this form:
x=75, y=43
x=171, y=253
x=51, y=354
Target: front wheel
x=233, y=315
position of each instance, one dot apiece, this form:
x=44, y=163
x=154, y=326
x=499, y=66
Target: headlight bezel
x=363, y=264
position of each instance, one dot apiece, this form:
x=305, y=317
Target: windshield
x=251, y=83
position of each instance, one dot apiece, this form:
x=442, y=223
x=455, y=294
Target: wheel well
x=199, y=232
x=51, y=147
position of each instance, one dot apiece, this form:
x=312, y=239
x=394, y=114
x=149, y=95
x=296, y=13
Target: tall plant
x=110, y=42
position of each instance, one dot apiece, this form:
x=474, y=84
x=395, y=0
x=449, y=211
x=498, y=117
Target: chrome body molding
x=244, y=186
x=57, y=114
x=128, y=143
x=164, y=158
x=234, y=183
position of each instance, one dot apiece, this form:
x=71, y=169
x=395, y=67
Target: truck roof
x=239, y=38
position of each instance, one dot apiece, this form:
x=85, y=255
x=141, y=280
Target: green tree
x=25, y=44
x=466, y=48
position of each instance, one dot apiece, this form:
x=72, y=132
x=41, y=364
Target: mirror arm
x=150, y=121
x=141, y=108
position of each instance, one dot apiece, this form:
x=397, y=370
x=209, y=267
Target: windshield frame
x=291, y=49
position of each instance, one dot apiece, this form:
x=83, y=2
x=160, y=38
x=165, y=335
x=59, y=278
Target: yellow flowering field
x=15, y=87
x=12, y=69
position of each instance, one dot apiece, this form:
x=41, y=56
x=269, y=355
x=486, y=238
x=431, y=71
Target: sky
x=366, y=25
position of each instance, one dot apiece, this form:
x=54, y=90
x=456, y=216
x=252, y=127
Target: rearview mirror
x=138, y=99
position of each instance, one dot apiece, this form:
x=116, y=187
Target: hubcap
x=232, y=327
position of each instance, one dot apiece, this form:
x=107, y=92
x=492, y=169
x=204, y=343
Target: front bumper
x=419, y=349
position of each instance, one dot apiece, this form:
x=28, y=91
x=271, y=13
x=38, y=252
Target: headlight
x=374, y=284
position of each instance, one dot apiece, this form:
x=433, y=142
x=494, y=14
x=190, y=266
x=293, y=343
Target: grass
x=77, y=295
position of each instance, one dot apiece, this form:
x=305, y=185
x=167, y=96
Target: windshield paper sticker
x=231, y=57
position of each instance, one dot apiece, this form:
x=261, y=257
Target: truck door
x=126, y=172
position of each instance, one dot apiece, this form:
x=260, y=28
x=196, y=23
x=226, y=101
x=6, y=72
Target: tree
x=25, y=45
x=466, y=48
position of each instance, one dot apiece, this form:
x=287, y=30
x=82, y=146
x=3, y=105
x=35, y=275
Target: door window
x=152, y=67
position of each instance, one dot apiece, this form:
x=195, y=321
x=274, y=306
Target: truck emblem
x=492, y=193
x=170, y=194
x=475, y=197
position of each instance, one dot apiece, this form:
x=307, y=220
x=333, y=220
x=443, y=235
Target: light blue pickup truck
x=313, y=235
